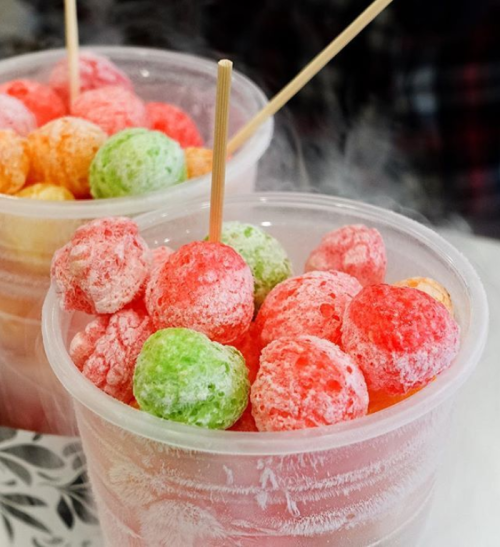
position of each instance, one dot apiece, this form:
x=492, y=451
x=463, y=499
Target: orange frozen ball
x=62, y=151
x=431, y=287
x=39, y=98
x=198, y=161
x=14, y=162
x=46, y=192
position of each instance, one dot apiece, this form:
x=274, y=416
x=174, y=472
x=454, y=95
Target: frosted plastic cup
x=31, y=230
x=365, y=482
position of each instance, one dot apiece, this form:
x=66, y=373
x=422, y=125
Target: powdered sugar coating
x=400, y=337
x=264, y=254
x=203, y=286
x=14, y=161
x=108, y=358
x=38, y=98
x=183, y=376
x=14, y=115
x=306, y=382
x=136, y=161
x=431, y=287
x=61, y=153
x=95, y=72
x=313, y=303
x=83, y=343
x=175, y=123
x=111, y=108
x=353, y=249
x=103, y=268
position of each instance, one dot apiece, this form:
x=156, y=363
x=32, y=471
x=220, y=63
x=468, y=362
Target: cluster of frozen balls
x=106, y=143
x=222, y=335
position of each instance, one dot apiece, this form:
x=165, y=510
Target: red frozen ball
x=400, y=337
x=175, y=123
x=107, y=350
x=103, y=268
x=39, y=98
x=250, y=346
x=356, y=250
x=246, y=423
x=313, y=303
x=111, y=108
x=203, y=286
x=95, y=71
x=306, y=382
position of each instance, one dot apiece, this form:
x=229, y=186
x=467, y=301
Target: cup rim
x=247, y=155
x=307, y=440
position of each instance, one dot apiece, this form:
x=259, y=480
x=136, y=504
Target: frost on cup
x=364, y=482
x=32, y=229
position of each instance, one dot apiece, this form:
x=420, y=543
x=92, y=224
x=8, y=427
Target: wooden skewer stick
x=71, y=21
x=307, y=73
x=224, y=74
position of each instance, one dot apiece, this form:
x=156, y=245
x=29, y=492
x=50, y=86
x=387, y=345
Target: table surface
x=466, y=507
x=466, y=510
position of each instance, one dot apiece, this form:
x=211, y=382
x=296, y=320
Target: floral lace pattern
x=45, y=498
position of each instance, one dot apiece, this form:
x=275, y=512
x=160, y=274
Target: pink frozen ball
x=103, y=268
x=14, y=115
x=161, y=255
x=107, y=350
x=355, y=249
x=401, y=338
x=175, y=123
x=313, y=303
x=111, y=108
x=203, y=286
x=38, y=98
x=95, y=72
x=306, y=382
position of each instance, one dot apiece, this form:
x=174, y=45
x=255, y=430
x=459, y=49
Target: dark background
x=408, y=116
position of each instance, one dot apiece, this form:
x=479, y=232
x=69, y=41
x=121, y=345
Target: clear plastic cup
x=360, y=483
x=31, y=230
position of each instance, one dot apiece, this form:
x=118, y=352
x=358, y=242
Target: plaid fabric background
x=425, y=76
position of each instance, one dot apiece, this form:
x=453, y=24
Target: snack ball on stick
x=38, y=98
x=175, y=123
x=183, y=376
x=354, y=249
x=203, y=286
x=61, y=152
x=136, y=162
x=111, y=108
x=313, y=304
x=264, y=254
x=14, y=162
x=107, y=350
x=401, y=338
x=306, y=382
x=14, y=115
x=95, y=71
x=103, y=268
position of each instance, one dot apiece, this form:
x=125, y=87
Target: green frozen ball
x=183, y=376
x=264, y=254
x=135, y=162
